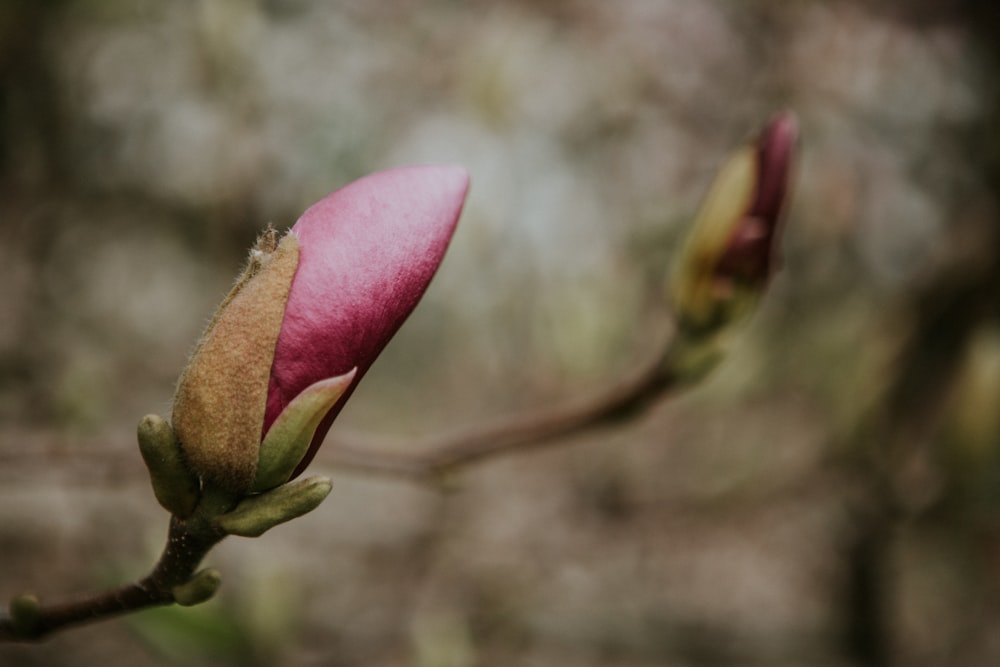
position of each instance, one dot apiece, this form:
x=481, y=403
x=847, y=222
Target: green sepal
x=700, y=302
x=255, y=515
x=25, y=611
x=288, y=439
x=175, y=486
x=201, y=587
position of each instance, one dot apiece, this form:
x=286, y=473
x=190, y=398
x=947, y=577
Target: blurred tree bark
x=946, y=311
x=31, y=135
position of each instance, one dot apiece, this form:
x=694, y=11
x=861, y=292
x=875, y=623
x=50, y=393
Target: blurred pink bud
x=752, y=251
x=731, y=249
x=307, y=319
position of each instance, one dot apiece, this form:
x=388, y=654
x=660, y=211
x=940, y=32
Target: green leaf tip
x=201, y=587
x=175, y=486
x=288, y=439
x=255, y=515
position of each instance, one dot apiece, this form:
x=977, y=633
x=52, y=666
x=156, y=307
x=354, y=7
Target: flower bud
x=306, y=320
x=731, y=250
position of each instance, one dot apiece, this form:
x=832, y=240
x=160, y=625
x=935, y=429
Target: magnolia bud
x=305, y=321
x=730, y=251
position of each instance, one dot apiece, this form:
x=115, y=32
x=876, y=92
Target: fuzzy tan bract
x=221, y=397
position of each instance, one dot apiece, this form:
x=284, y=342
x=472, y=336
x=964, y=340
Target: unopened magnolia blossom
x=731, y=250
x=305, y=321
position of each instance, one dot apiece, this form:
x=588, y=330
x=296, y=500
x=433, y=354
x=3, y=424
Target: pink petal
x=775, y=150
x=367, y=253
x=752, y=252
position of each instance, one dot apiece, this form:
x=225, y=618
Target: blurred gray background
x=828, y=497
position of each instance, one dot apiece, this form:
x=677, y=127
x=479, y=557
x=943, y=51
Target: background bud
x=731, y=249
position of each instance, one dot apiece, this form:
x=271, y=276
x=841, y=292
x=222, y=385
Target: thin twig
x=448, y=453
x=189, y=541
x=187, y=544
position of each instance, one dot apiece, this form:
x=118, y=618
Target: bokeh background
x=828, y=497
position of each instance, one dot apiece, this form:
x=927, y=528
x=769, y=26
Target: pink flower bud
x=751, y=252
x=368, y=253
x=305, y=322
x=731, y=249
